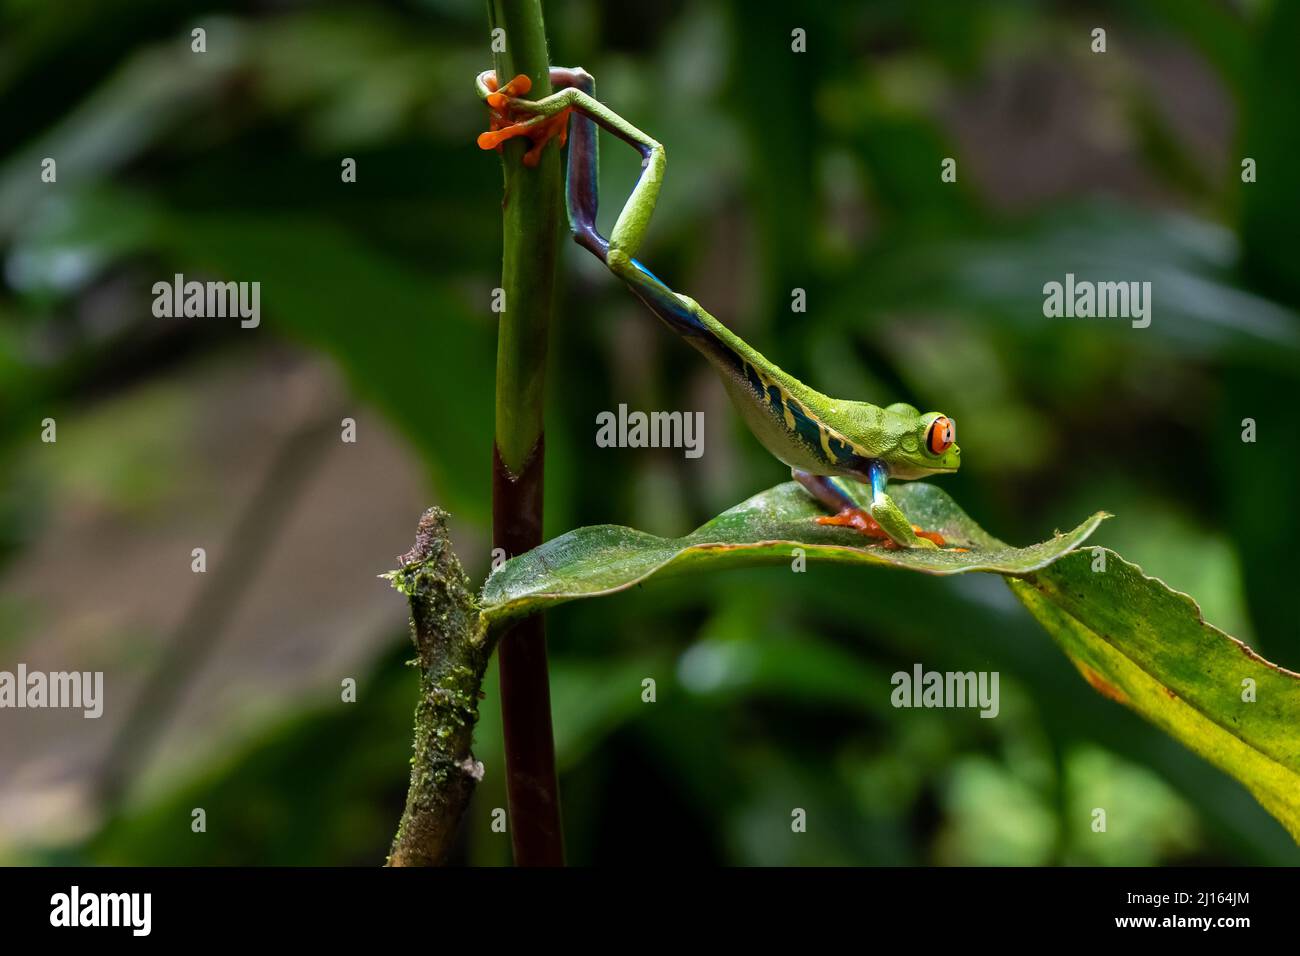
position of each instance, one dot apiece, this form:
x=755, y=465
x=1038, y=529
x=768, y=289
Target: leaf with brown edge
x=1138, y=642
x=1133, y=639
x=606, y=559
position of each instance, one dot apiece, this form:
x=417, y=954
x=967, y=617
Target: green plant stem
x=532, y=209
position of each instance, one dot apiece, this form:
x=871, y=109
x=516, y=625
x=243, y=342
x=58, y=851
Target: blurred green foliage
x=817, y=171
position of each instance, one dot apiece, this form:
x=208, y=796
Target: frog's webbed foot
x=509, y=112
x=861, y=520
x=858, y=519
x=883, y=520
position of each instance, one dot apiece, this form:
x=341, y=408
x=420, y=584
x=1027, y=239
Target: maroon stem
x=535, y=830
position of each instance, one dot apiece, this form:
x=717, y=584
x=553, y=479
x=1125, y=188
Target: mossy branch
x=454, y=647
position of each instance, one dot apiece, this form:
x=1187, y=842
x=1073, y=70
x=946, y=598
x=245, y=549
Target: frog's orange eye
x=941, y=435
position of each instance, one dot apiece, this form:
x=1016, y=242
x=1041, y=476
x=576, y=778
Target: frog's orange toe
x=857, y=519
x=861, y=520
x=498, y=134
x=934, y=536
x=500, y=96
x=539, y=129
x=495, y=137
x=556, y=127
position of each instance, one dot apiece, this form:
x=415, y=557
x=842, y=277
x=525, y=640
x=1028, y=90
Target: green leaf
x=1141, y=643
x=1133, y=638
x=766, y=529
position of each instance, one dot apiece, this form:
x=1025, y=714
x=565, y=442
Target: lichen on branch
x=453, y=649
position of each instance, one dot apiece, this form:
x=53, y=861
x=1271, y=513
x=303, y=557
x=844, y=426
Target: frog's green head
x=927, y=447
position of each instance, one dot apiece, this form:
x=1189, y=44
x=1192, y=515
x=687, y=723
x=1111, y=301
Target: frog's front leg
x=902, y=532
x=847, y=513
x=883, y=519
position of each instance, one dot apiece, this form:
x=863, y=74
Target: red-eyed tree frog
x=819, y=437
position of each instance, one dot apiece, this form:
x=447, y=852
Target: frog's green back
x=796, y=423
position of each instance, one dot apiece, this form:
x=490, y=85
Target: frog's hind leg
x=507, y=105
x=549, y=117
x=846, y=512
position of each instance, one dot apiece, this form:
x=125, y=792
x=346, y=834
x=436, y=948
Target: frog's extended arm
x=819, y=437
